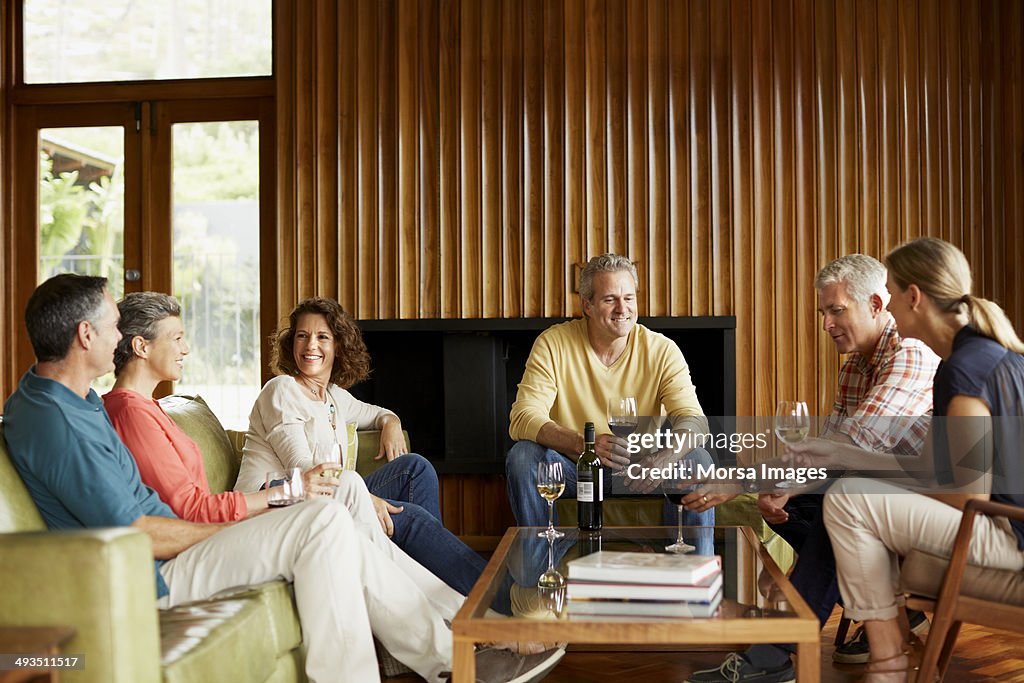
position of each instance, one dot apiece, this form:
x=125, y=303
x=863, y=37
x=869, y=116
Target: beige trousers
x=870, y=531
x=347, y=587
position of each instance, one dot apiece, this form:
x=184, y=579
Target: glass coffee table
x=759, y=604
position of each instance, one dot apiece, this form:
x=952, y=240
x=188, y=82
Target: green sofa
x=100, y=582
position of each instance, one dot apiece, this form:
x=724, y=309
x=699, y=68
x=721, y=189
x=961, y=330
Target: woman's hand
x=321, y=480
x=813, y=452
x=384, y=511
x=392, y=441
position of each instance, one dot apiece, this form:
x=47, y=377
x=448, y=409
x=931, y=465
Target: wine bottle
x=589, y=484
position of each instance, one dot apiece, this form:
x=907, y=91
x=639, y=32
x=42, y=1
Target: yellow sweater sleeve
x=537, y=392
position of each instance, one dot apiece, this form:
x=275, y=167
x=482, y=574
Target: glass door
x=216, y=261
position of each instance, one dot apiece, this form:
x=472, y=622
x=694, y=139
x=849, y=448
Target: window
x=137, y=40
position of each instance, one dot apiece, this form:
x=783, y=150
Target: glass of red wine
x=675, y=490
x=622, y=420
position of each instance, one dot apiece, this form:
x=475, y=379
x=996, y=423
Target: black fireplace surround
x=453, y=381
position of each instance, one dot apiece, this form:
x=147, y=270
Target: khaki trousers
x=347, y=587
x=870, y=531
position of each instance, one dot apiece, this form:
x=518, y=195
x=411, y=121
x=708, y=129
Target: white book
x=644, y=608
x=701, y=592
x=637, y=567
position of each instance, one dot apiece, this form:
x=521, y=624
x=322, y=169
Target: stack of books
x=634, y=584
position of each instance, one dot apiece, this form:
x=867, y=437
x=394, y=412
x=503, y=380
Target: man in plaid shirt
x=883, y=403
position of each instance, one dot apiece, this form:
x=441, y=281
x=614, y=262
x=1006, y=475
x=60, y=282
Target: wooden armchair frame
x=951, y=608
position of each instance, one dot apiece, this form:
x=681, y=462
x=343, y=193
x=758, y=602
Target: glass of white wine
x=551, y=578
x=550, y=484
x=792, y=423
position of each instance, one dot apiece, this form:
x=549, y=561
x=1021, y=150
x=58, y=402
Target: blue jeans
x=411, y=482
x=531, y=510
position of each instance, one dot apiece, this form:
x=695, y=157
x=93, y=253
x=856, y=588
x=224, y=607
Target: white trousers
x=346, y=587
x=870, y=531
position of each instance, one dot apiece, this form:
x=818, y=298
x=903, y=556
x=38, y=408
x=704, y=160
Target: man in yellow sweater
x=574, y=368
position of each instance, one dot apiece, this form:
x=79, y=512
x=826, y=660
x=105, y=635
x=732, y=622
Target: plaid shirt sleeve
x=894, y=414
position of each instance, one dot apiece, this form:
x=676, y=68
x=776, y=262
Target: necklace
x=313, y=387
x=332, y=411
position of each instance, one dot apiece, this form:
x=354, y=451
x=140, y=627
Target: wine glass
x=550, y=484
x=792, y=423
x=622, y=420
x=675, y=490
x=551, y=584
x=551, y=578
x=284, y=487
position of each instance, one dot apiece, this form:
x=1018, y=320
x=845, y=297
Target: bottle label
x=585, y=491
x=599, y=485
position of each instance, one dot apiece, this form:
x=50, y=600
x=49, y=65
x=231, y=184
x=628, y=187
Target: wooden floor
x=981, y=655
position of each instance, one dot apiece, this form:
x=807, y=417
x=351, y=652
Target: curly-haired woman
x=299, y=420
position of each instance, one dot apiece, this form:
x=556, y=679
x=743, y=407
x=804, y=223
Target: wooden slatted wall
x=447, y=158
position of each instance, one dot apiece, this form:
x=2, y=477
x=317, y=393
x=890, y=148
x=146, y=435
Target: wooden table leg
x=808, y=662
x=463, y=662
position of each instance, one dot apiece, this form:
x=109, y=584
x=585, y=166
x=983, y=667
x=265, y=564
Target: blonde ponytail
x=990, y=320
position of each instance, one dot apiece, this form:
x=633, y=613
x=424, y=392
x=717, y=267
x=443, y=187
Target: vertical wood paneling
x=679, y=156
x=616, y=117
x=931, y=158
x=700, y=156
x=533, y=169
x=991, y=112
x=658, y=256
x=348, y=155
x=407, y=275
x=327, y=131
x=305, y=176
x=511, y=169
x=742, y=200
x=366, y=82
x=449, y=99
x=805, y=371
x=888, y=126
x=471, y=153
x=1013, y=228
x=636, y=143
x=491, y=265
x=387, y=150
x=556, y=263
x=764, y=181
x=867, y=125
x=470, y=244
x=951, y=147
x=827, y=205
x=910, y=117
x=971, y=98
x=574, y=32
x=429, y=162
x=596, y=237
x=847, y=134
x=720, y=278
